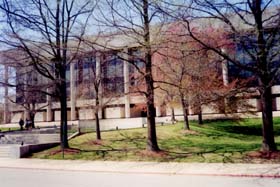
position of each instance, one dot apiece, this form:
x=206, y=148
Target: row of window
x=112, y=78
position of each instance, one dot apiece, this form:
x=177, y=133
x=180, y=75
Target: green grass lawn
x=6, y=129
x=214, y=141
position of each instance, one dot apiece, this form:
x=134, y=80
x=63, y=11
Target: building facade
x=117, y=75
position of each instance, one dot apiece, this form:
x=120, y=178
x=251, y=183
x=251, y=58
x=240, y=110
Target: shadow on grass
x=112, y=148
x=250, y=127
x=217, y=152
x=222, y=120
x=244, y=130
x=216, y=141
x=252, y=130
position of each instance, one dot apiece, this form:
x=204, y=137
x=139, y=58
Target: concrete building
x=111, y=67
x=114, y=65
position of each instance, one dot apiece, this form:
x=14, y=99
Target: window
x=113, y=80
x=242, y=55
x=85, y=76
x=136, y=64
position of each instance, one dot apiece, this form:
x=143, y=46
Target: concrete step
x=29, y=138
x=4, y=151
x=46, y=138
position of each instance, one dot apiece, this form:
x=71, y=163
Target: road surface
x=12, y=177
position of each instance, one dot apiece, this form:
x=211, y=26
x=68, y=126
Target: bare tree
x=133, y=19
x=183, y=66
x=253, y=25
x=30, y=94
x=48, y=33
x=90, y=84
x=194, y=73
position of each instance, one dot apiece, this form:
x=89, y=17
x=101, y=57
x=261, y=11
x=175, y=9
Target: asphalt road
x=55, y=178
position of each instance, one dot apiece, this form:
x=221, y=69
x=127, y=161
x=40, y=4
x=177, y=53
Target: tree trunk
x=173, y=120
x=63, y=109
x=32, y=117
x=200, y=121
x=185, y=113
x=268, y=143
x=265, y=79
x=152, y=137
x=60, y=73
x=151, y=112
x=98, y=133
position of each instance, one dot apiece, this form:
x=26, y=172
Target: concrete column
x=98, y=78
x=73, y=91
x=225, y=79
x=158, y=112
x=6, y=94
x=98, y=71
x=126, y=83
x=225, y=73
x=26, y=113
x=49, y=107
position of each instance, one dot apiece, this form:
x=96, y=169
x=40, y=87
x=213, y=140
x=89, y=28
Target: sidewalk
x=209, y=169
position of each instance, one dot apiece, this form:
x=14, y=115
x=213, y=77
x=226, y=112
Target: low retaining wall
x=112, y=124
x=26, y=150
x=128, y=123
x=21, y=151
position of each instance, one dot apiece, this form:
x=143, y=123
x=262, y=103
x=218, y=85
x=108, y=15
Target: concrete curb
x=208, y=169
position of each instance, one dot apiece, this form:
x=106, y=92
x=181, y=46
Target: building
x=114, y=64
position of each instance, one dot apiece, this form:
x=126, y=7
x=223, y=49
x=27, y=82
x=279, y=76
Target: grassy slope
x=215, y=141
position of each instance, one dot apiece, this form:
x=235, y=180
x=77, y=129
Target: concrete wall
x=278, y=103
x=253, y=102
x=57, y=115
x=114, y=112
x=86, y=114
x=275, y=89
x=112, y=124
x=40, y=116
x=16, y=117
x=18, y=151
x=177, y=110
